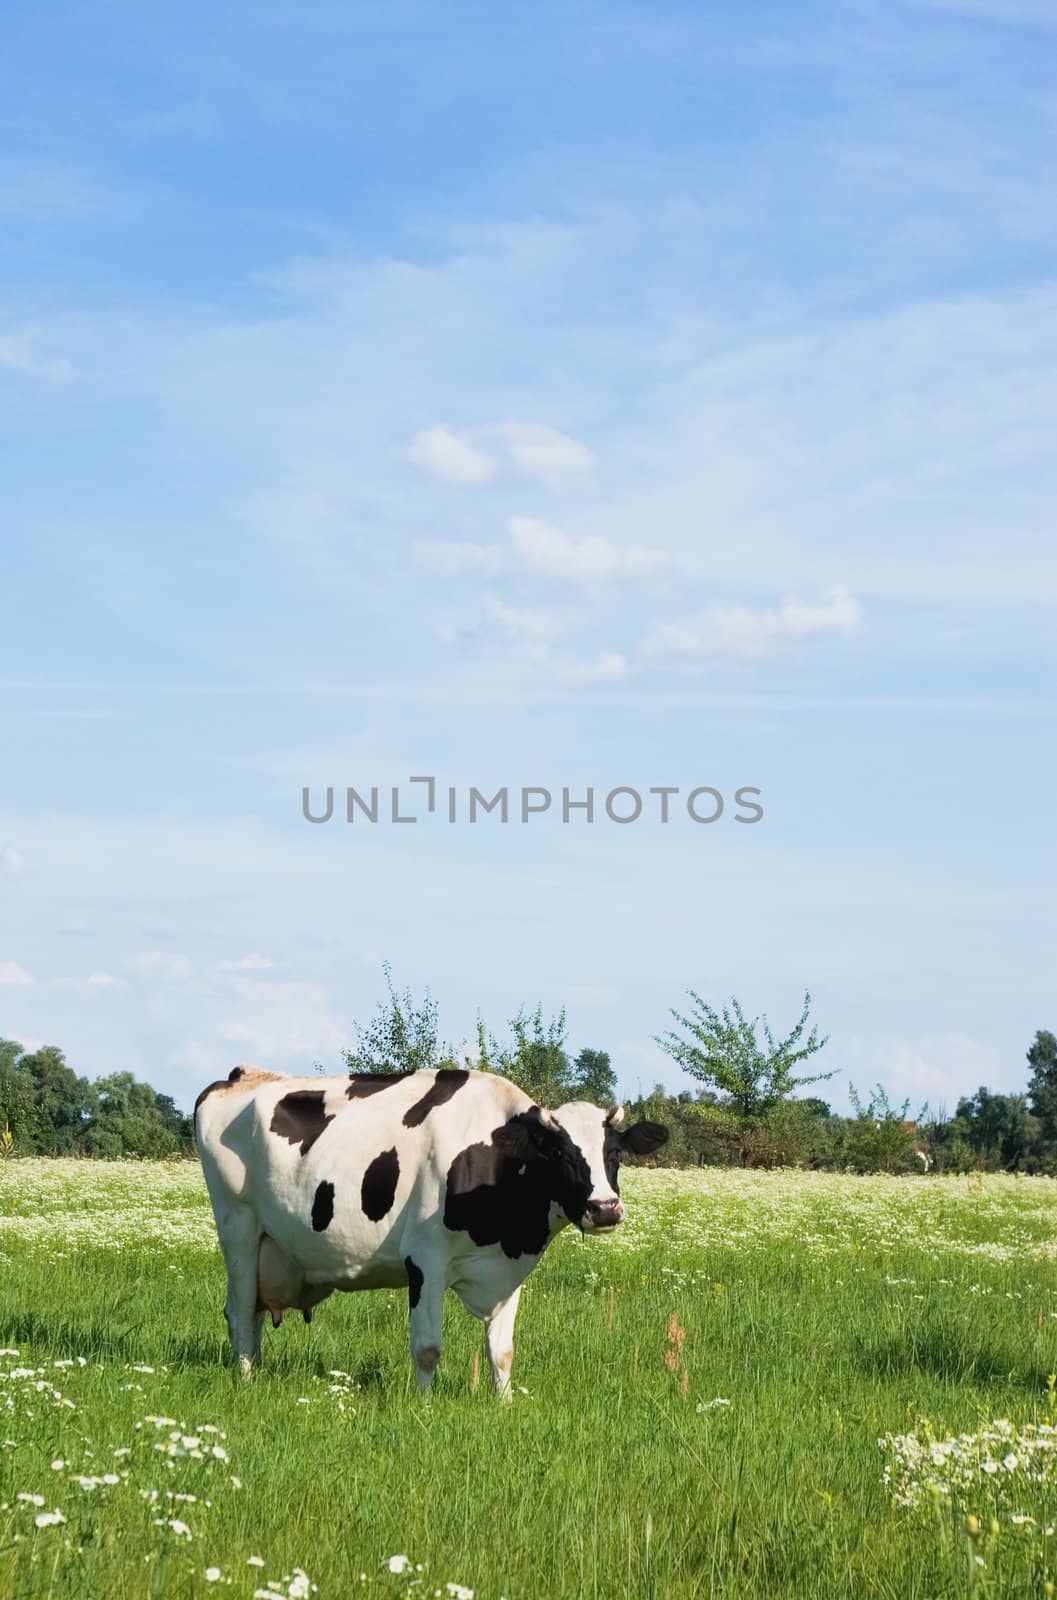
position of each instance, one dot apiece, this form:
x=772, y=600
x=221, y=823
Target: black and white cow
x=435, y=1180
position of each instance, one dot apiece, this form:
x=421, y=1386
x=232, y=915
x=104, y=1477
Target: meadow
x=766, y=1384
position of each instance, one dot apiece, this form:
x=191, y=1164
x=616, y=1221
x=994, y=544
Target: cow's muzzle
x=604, y=1213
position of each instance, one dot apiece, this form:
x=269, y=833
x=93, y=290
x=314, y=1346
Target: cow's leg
x=240, y=1243
x=499, y=1342
x=425, y=1290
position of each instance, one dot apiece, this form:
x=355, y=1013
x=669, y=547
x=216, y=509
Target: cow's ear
x=613, y=1116
x=527, y=1136
x=643, y=1138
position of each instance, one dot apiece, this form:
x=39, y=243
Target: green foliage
x=133, y=1115
x=879, y=1138
x=50, y=1110
x=594, y=1078
x=722, y=1050
x=989, y=1132
x=535, y=1057
x=1042, y=1084
x=400, y=1037
x=404, y=1036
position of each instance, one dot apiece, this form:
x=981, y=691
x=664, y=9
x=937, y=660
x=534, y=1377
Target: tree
x=400, y=1037
x=536, y=1058
x=594, y=1078
x=63, y=1102
x=132, y=1119
x=998, y=1128
x=17, y=1107
x=1042, y=1085
x=878, y=1138
x=723, y=1050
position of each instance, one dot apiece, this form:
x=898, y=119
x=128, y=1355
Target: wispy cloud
x=282, y=1019
x=607, y=667
x=14, y=975
x=470, y=457
x=445, y=454
x=162, y=964
x=750, y=635
x=95, y=983
x=17, y=355
x=254, y=962
x=530, y=631
x=933, y=1068
x=547, y=550
x=544, y=453
x=537, y=547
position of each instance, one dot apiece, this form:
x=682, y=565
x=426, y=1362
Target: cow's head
x=581, y=1146
x=601, y=1141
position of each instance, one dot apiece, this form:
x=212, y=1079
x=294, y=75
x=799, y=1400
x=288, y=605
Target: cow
x=433, y=1180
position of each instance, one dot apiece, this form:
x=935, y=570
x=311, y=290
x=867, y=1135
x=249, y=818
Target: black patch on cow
x=500, y=1192
x=449, y=1081
x=300, y=1118
x=362, y=1084
x=323, y=1207
x=612, y=1150
x=378, y=1190
x=641, y=1139
x=415, y=1280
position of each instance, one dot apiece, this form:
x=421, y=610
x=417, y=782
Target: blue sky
x=566, y=395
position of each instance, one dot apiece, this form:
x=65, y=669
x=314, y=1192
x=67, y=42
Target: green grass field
x=698, y=1408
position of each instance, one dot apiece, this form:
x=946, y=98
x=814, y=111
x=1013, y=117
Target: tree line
x=747, y=1107
x=46, y=1109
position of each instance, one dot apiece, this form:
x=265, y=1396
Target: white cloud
x=16, y=355
x=282, y=1019
x=531, y=630
x=10, y=859
x=162, y=964
x=607, y=667
x=95, y=983
x=445, y=454
x=254, y=962
x=11, y=973
x=935, y=1068
x=205, y=1060
x=544, y=453
x=739, y=632
x=538, y=547
x=544, y=549
x=468, y=458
